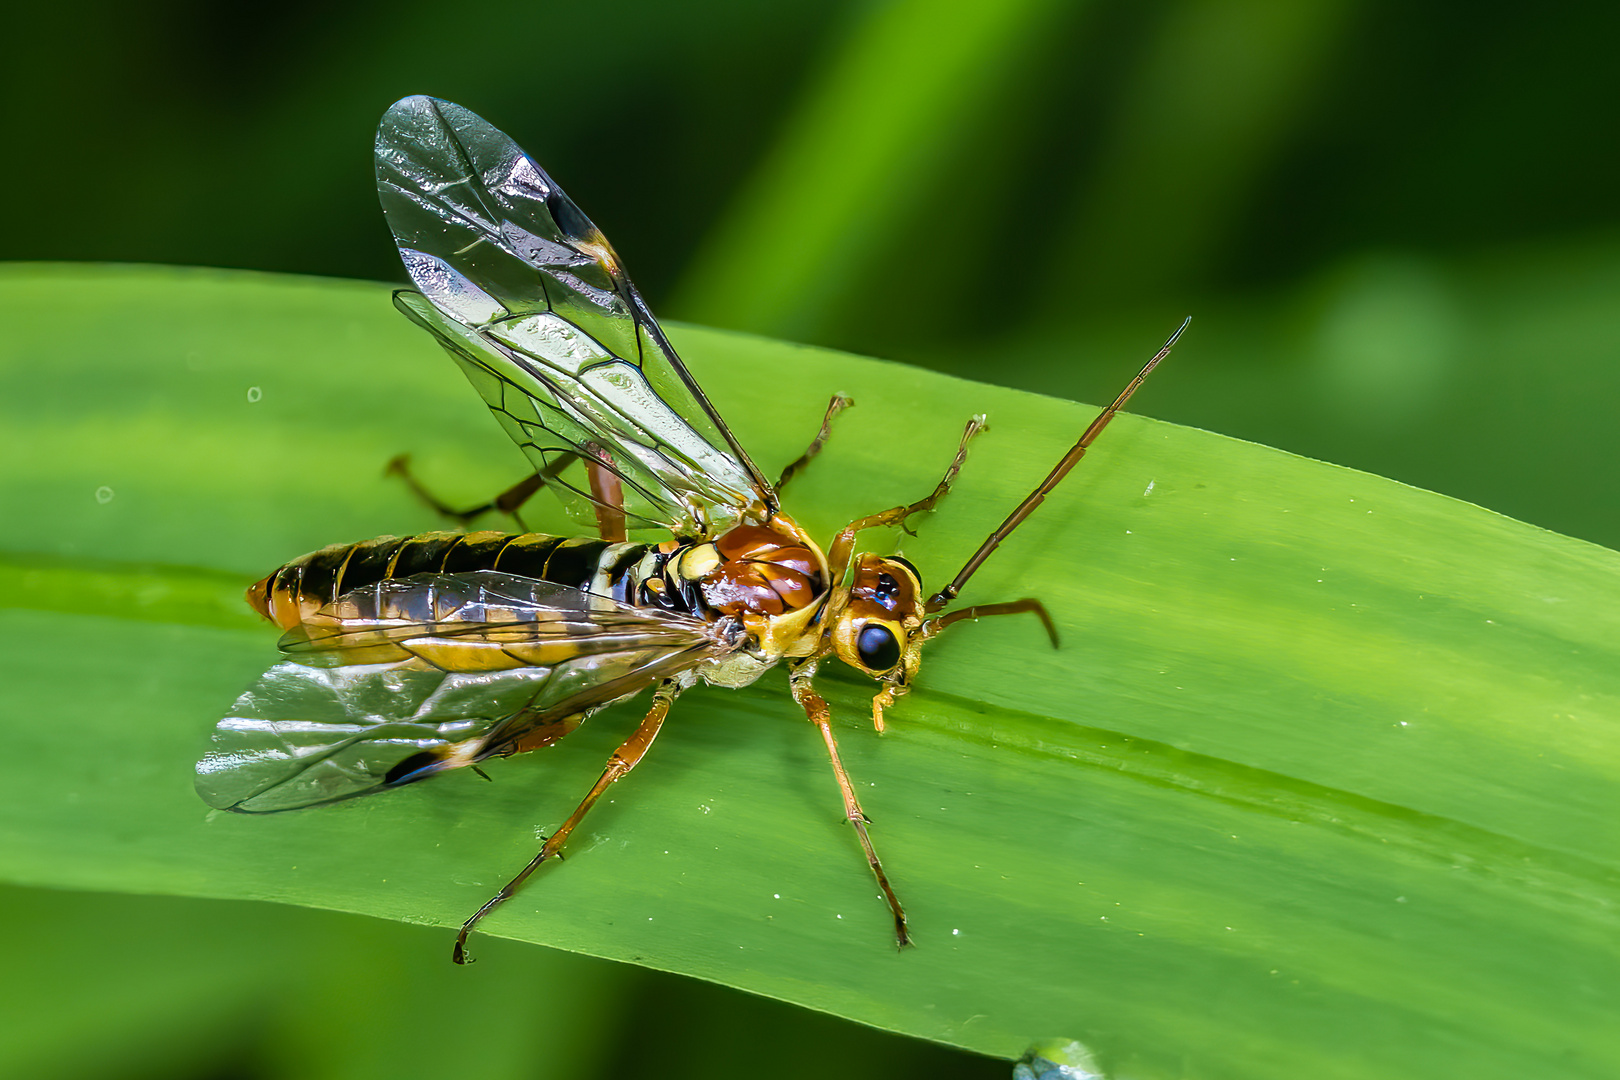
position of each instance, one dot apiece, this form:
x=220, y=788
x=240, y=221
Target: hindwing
x=408, y=677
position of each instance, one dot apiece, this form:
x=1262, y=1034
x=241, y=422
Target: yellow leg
x=838, y=404
x=625, y=758
x=843, y=545
x=815, y=708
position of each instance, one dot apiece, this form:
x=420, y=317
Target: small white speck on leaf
x=104, y=495
x=254, y=394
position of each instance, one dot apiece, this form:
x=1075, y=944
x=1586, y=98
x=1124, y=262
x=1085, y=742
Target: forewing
x=399, y=680
x=531, y=300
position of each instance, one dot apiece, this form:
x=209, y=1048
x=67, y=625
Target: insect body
x=406, y=657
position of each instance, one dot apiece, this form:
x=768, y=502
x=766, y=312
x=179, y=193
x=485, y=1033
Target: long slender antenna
x=940, y=599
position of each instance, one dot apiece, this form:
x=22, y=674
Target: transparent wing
x=402, y=679
x=531, y=300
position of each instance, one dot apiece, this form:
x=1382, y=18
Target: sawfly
x=405, y=657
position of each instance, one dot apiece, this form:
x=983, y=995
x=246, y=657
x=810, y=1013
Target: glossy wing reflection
x=530, y=299
x=399, y=680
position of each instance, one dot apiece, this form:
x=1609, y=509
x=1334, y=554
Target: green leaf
x=1321, y=781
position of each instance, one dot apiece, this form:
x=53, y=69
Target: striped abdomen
x=308, y=584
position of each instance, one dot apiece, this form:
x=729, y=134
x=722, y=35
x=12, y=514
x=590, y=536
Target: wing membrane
x=399, y=680
x=531, y=300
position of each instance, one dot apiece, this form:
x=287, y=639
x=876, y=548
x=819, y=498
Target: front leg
x=816, y=710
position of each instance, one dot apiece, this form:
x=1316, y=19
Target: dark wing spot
x=412, y=768
x=569, y=218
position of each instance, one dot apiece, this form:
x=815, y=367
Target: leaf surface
x=1323, y=778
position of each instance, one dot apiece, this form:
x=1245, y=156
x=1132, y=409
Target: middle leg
x=838, y=404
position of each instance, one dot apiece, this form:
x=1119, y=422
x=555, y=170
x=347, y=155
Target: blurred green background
x=1395, y=225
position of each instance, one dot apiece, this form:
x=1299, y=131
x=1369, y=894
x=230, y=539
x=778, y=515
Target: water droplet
x=254, y=394
x=1058, y=1059
x=104, y=495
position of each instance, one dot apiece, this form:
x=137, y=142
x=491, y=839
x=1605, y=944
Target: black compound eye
x=878, y=649
x=887, y=587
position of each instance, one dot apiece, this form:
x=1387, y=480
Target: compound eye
x=878, y=648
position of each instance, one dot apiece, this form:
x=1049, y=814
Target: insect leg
x=838, y=404
x=843, y=545
x=607, y=495
x=507, y=502
x=815, y=708
x=980, y=611
x=625, y=758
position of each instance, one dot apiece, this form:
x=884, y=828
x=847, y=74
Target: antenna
x=940, y=599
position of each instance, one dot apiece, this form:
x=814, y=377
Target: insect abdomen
x=307, y=584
